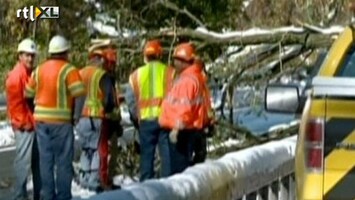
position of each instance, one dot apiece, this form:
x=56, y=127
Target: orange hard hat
x=153, y=48
x=185, y=51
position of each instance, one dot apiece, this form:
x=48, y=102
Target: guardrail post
x=262, y=193
x=292, y=187
x=272, y=191
x=283, y=188
x=251, y=196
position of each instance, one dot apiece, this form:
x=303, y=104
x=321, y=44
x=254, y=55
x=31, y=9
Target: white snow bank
x=123, y=180
x=229, y=143
x=225, y=178
x=7, y=137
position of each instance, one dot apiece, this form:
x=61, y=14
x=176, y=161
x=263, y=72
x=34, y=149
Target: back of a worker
x=150, y=84
x=54, y=85
x=98, y=118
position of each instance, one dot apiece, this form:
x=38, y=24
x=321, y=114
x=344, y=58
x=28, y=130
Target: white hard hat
x=27, y=45
x=58, y=44
x=99, y=43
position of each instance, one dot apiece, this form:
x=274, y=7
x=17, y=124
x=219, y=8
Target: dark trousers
x=151, y=135
x=189, y=149
x=56, y=149
x=200, y=148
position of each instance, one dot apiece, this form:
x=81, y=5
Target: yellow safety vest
x=93, y=106
x=150, y=84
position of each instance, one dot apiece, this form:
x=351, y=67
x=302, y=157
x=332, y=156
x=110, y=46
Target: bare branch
x=172, y=6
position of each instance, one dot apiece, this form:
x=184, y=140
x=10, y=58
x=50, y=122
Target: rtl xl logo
x=34, y=12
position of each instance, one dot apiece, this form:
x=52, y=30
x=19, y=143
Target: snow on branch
x=322, y=37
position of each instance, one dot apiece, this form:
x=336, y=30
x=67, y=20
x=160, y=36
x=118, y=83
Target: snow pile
x=82, y=193
x=123, y=180
x=221, y=179
x=7, y=137
x=228, y=143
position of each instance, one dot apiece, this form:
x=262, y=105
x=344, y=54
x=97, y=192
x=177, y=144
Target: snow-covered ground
x=79, y=192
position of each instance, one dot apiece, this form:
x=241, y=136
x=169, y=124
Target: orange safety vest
x=54, y=85
x=185, y=105
x=150, y=85
x=93, y=106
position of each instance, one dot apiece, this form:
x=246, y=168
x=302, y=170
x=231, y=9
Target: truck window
x=348, y=67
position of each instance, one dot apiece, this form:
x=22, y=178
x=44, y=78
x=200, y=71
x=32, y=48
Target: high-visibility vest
x=93, y=106
x=150, y=84
x=54, y=85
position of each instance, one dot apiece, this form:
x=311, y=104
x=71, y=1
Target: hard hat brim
x=26, y=51
x=59, y=50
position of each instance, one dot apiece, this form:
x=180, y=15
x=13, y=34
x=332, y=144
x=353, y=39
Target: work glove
x=173, y=135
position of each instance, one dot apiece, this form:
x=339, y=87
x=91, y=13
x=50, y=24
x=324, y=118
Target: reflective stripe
x=185, y=101
x=62, y=98
x=199, y=99
x=150, y=102
x=51, y=113
x=36, y=77
x=93, y=103
x=76, y=88
x=30, y=92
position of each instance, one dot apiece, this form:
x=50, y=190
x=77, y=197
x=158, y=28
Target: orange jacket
x=18, y=109
x=54, y=84
x=185, y=105
x=207, y=92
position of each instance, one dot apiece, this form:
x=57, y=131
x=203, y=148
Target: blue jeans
x=56, y=149
x=26, y=158
x=151, y=135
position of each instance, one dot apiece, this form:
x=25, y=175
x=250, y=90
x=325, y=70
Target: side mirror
x=282, y=99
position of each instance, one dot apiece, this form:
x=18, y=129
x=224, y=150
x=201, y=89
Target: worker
x=98, y=118
x=20, y=114
x=149, y=85
x=54, y=85
x=184, y=110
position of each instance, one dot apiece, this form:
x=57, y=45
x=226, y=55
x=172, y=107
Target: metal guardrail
x=260, y=172
x=279, y=186
x=255, y=181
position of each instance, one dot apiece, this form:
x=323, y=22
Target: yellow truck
x=325, y=152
